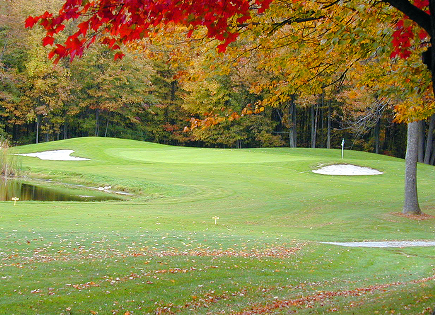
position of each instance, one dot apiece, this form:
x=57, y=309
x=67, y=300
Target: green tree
x=107, y=93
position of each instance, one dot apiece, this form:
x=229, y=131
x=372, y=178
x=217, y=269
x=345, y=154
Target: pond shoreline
x=27, y=188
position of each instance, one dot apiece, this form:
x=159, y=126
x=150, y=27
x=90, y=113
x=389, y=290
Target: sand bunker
x=346, y=169
x=384, y=244
x=57, y=155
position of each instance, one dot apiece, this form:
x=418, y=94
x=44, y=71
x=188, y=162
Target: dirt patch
x=418, y=217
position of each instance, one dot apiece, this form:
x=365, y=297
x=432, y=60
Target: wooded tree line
x=274, y=90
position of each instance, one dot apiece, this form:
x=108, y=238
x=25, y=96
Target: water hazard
x=11, y=189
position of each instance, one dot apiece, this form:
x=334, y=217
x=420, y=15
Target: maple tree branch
x=297, y=20
x=331, y=4
x=288, y=21
x=415, y=14
x=339, y=79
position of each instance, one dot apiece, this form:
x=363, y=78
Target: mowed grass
x=160, y=252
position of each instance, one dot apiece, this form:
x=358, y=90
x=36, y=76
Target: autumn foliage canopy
x=123, y=21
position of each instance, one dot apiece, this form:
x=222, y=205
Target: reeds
x=9, y=163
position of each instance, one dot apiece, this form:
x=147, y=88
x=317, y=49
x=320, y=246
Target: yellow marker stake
x=215, y=219
x=15, y=199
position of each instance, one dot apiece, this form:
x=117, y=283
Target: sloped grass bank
x=161, y=252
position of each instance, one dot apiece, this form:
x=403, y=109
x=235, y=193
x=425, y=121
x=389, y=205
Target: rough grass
x=161, y=252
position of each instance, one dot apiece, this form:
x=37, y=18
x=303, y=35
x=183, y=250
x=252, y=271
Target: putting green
x=201, y=155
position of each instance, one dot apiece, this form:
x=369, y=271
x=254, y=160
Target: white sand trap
x=57, y=155
x=384, y=244
x=346, y=169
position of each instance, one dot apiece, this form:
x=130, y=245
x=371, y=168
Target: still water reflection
x=13, y=188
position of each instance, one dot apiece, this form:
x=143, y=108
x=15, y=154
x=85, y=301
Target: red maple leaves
x=404, y=33
x=123, y=21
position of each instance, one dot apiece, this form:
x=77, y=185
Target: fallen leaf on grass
x=86, y=285
x=420, y=217
x=309, y=301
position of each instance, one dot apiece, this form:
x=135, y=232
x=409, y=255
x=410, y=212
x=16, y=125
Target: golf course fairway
x=215, y=231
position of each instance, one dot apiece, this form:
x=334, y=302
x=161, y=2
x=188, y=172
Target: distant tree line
x=146, y=97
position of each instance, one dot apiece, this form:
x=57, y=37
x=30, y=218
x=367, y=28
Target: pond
x=11, y=188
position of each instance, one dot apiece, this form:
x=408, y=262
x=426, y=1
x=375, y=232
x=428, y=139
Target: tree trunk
x=97, y=122
x=38, y=122
x=429, y=140
x=65, y=130
x=411, y=205
x=431, y=63
x=107, y=128
x=239, y=144
x=421, y=137
x=292, y=123
x=328, y=140
x=432, y=158
x=377, y=135
x=173, y=90
x=313, y=125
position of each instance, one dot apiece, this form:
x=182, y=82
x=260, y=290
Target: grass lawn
x=160, y=252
